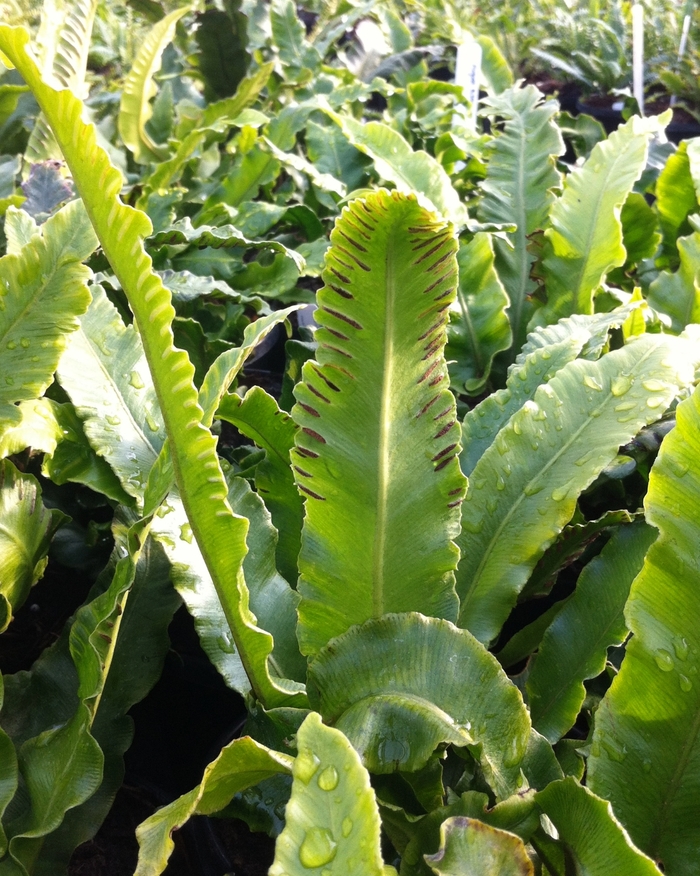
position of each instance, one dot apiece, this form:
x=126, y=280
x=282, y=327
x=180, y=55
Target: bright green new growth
x=332, y=821
x=645, y=757
x=376, y=449
x=121, y=231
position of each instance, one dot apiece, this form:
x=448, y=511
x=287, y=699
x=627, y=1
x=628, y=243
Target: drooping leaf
x=469, y=847
x=332, y=820
x=118, y=405
x=595, y=839
x=574, y=647
x=26, y=530
x=241, y=764
x=223, y=57
x=584, y=241
x=42, y=293
x=678, y=294
x=377, y=425
x=396, y=711
x=524, y=488
x=121, y=231
x=139, y=88
x=411, y=172
x=645, y=757
x=518, y=187
x=258, y=417
x=479, y=328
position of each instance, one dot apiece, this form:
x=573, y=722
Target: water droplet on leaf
x=135, y=380
x=318, y=848
x=305, y=767
x=328, y=780
x=347, y=826
x=664, y=660
x=592, y=383
x=112, y=420
x=186, y=533
x=620, y=385
x=685, y=683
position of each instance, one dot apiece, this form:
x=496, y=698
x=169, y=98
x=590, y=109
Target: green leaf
x=469, y=847
x=639, y=229
x=548, y=452
x=396, y=711
x=42, y=294
x=9, y=778
x=678, y=294
x=223, y=58
x=494, y=67
x=377, y=424
x=411, y=172
x=479, y=328
x=584, y=241
x=520, y=176
x=271, y=599
x=118, y=405
x=596, y=841
x=330, y=152
x=332, y=820
x=676, y=198
x=135, y=109
x=240, y=765
x=574, y=647
x=26, y=530
x=289, y=37
x=121, y=231
x=258, y=417
x=645, y=757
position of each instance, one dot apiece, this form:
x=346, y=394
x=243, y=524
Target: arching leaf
x=584, y=241
x=377, y=440
x=135, y=109
x=597, y=842
x=396, y=711
x=469, y=847
x=524, y=488
x=42, y=293
x=241, y=764
x=645, y=757
x=121, y=231
x=574, y=647
x=520, y=176
x=332, y=820
x=479, y=327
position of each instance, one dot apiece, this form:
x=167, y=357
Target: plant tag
x=468, y=74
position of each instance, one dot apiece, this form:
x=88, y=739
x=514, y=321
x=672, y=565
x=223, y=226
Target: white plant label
x=468, y=75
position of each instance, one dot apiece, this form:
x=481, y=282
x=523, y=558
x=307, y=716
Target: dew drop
x=653, y=385
x=347, y=826
x=680, y=646
x=328, y=780
x=11, y=345
x=491, y=505
x=560, y=493
x=24, y=343
x=151, y=423
x=592, y=383
x=677, y=467
x=473, y=526
x=10, y=381
x=479, y=483
x=318, y=848
x=664, y=660
x=224, y=642
x=305, y=767
x=186, y=533
x=533, y=488
x=535, y=444
x=685, y=683
x=500, y=483
x=620, y=385
x=112, y=420
x=646, y=765
x=517, y=428
x=655, y=402
x=625, y=406
x=135, y=380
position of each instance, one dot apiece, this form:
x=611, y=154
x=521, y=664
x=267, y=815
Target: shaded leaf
x=479, y=327
x=645, y=757
x=548, y=452
x=223, y=57
x=397, y=711
x=574, y=647
x=376, y=392
x=45, y=188
x=676, y=198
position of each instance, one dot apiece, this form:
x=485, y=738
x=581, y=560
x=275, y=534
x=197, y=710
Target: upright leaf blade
x=646, y=750
x=518, y=187
x=585, y=238
x=375, y=451
x=524, y=488
x=678, y=294
x=332, y=820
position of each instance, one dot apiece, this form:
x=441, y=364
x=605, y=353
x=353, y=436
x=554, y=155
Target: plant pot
x=683, y=125
x=605, y=108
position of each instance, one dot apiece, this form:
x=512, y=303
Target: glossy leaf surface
x=646, y=757
x=376, y=447
x=471, y=848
